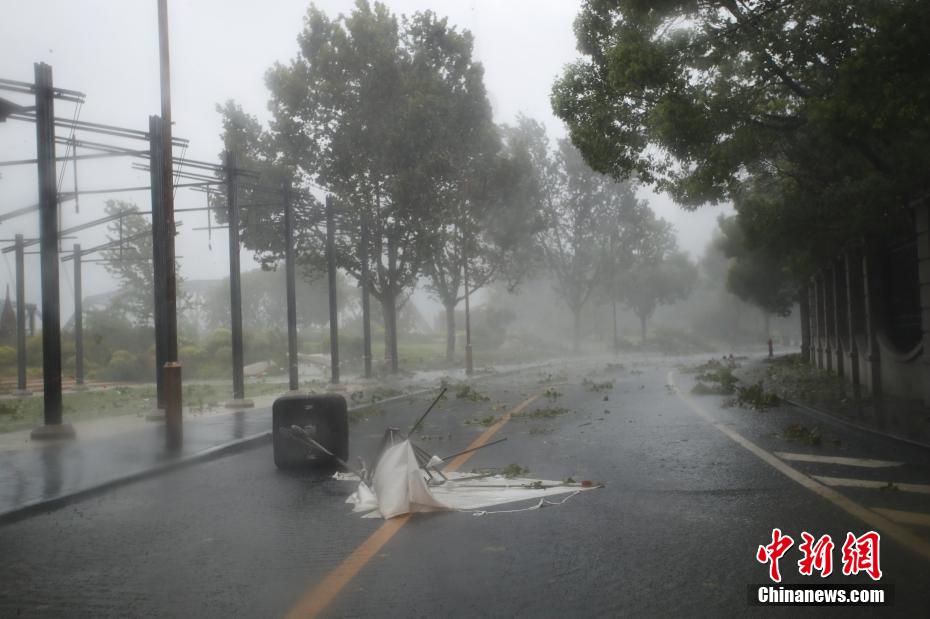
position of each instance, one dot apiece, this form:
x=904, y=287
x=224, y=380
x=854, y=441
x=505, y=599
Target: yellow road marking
x=319, y=597
x=867, y=463
x=919, y=519
x=870, y=517
x=844, y=482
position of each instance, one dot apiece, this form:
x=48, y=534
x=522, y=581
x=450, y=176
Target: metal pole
x=171, y=315
x=173, y=420
x=331, y=272
x=290, y=278
x=366, y=301
x=159, y=233
x=20, y=317
x=235, y=285
x=48, y=233
x=469, y=368
x=78, y=319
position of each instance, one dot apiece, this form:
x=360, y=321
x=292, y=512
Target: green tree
x=808, y=115
x=129, y=261
x=381, y=112
x=495, y=212
x=264, y=302
x=658, y=273
x=583, y=209
x=755, y=275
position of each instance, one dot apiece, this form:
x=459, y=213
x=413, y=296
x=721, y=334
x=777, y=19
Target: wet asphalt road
x=674, y=532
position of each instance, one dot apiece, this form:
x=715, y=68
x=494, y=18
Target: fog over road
x=691, y=492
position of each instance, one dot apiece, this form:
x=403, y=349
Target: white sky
x=220, y=49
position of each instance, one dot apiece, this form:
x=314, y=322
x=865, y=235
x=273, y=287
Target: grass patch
x=540, y=430
x=552, y=393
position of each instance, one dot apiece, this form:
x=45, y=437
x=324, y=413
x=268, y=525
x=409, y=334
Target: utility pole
x=20, y=318
x=171, y=316
x=366, y=301
x=331, y=272
x=235, y=285
x=293, y=379
x=48, y=243
x=78, y=319
x=159, y=267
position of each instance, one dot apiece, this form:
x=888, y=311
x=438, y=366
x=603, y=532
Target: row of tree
x=391, y=118
x=811, y=117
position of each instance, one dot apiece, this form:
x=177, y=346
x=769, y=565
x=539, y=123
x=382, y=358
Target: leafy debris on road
x=543, y=413
x=803, y=434
x=597, y=387
x=756, y=397
x=487, y=421
x=514, y=470
x=464, y=391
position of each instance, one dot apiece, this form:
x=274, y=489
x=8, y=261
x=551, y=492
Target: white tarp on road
x=400, y=486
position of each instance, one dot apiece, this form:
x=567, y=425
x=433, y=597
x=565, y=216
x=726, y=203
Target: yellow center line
x=866, y=515
x=319, y=597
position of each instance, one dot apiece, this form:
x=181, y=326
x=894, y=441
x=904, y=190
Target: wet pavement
x=34, y=472
x=674, y=532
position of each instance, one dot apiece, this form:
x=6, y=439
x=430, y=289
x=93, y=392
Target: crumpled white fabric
x=399, y=486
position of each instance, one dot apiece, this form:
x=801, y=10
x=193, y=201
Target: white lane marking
x=874, y=520
x=919, y=519
x=844, y=482
x=867, y=463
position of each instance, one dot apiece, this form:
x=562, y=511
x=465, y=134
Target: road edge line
x=871, y=518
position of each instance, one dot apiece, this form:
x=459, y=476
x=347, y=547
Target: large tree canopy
x=808, y=115
x=391, y=117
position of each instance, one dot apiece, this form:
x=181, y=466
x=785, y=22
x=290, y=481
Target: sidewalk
x=35, y=476
x=822, y=393
x=113, y=450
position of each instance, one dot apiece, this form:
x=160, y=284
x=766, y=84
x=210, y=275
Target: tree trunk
x=613, y=306
x=767, y=321
x=450, y=332
x=576, y=330
x=389, y=310
x=642, y=328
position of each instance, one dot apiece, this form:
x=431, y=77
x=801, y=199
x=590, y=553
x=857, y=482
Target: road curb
x=827, y=416
x=46, y=505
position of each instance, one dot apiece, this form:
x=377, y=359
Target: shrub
x=125, y=366
x=7, y=356
x=218, y=338
x=223, y=354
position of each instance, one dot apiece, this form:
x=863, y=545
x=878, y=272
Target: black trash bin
x=326, y=419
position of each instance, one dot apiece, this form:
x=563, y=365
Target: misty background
x=220, y=51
